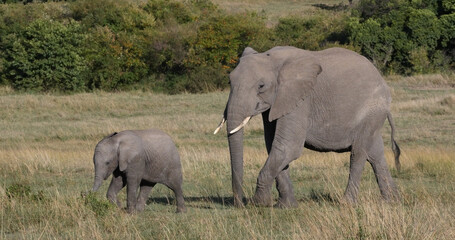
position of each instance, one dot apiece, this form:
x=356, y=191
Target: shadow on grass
x=224, y=201
x=320, y=197
x=205, y=202
x=336, y=7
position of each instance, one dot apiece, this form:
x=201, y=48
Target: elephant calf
x=138, y=158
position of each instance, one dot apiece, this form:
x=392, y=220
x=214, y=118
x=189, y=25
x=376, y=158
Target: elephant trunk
x=97, y=183
x=236, y=152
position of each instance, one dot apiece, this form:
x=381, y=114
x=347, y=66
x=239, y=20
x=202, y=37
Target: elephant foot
x=181, y=209
x=392, y=197
x=262, y=200
x=286, y=203
x=115, y=201
x=140, y=207
x=239, y=202
x=348, y=200
x=131, y=211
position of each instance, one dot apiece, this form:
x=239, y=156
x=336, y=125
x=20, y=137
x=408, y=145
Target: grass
x=275, y=9
x=46, y=169
x=47, y=142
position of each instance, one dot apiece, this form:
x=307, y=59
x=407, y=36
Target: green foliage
x=448, y=30
x=114, y=60
x=20, y=191
x=46, y=56
x=221, y=38
x=311, y=33
x=191, y=46
x=101, y=207
x=404, y=36
x=165, y=11
x=448, y=5
x=424, y=28
x=366, y=9
x=117, y=15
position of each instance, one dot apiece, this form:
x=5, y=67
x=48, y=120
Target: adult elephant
x=330, y=100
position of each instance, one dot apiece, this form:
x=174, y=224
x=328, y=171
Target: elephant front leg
x=131, y=187
x=273, y=166
x=286, y=193
x=118, y=182
x=283, y=181
x=287, y=145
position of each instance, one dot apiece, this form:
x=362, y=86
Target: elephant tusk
x=241, y=125
x=219, y=126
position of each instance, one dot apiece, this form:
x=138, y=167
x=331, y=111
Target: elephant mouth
x=262, y=107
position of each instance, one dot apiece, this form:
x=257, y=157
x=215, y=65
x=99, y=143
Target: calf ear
x=130, y=149
x=296, y=79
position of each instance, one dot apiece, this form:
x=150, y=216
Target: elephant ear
x=248, y=51
x=296, y=79
x=129, y=149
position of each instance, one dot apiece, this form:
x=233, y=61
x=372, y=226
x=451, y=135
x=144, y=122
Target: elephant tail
x=396, y=150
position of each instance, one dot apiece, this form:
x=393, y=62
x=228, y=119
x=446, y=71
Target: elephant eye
x=261, y=85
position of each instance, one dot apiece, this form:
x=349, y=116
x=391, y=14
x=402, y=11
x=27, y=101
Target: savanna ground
x=46, y=167
x=275, y=9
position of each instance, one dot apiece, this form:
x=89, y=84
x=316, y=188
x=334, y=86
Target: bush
x=117, y=15
x=191, y=46
x=403, y=36
x=46, y=56
x=101, y=207
x=207, y=79
x=114, y=59
x=312, y=33
x=222, y=38
x=165, y=11
x=23, y=192
x=448, y=30
x=425, y=29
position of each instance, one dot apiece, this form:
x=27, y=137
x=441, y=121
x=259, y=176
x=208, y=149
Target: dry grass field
x=47, y=142
x=274, y=9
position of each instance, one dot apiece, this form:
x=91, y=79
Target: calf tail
x=395, y=148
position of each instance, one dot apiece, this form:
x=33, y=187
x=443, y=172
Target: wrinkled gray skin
x=138, y=158
x=330, y=100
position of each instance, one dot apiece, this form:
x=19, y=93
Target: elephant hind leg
x=377, y=160
x=144, y=193
x=176, y=186
x=357, y=163
x=180, y=200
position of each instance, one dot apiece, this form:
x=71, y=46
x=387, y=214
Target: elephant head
x=114, y=151
x=273, y=81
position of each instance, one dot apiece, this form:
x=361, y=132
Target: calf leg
x=146, y=187
x=118, y=182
